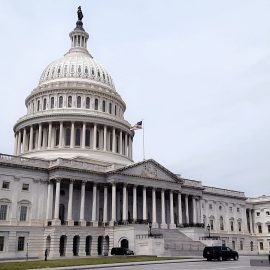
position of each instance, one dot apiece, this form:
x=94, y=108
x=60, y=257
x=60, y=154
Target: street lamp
x=150, y=227
x=208, y=229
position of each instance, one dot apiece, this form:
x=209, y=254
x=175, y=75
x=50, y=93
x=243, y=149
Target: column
x=201, y=210
x=105, y=138
x=95, y=137
x=15, y=144
x=24, y=141
x=61, y=134
x=72, y=136
x=124, y=202
x=83, y=134
x=113, y=142
x=82, y=221
x=163, y=224
x=194, y=210
x=56, y=220
x=134, y=209
x=31, y=138
x=94, y=206
x=121, y=143
x=105, y=205
x=19, y=143
x=126, y=138
x=70, y=204
x=49, y=200
x=113, y=220
x=129, y=148
x=186, y=207
x=154, y=209
x=180, y=220
x=39, y=135
x=172, y=224
x=144, y=204
x=50, y=135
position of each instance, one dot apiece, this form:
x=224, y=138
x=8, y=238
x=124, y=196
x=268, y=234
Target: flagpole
x=143, y=141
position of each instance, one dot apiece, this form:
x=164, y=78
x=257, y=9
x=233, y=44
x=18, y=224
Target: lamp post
x=150, y=227
x=208, y=229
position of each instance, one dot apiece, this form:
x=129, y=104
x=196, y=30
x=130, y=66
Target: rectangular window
x=2, y=243
x=212, y=224
x=261, y=245
x=260, y=228
x=238, y=210
x=23, y=213
x=258, y=214
x=268, y=228
x=3, y=212
x=21, y=243
x=241, y=245
x=25, y=187
x=5, y=185
x=268, y=213
x=233, y=245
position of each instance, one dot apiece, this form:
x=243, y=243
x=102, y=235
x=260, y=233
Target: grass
x=76, y=262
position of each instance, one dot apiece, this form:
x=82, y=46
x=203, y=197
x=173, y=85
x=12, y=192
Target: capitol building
x=71, y=186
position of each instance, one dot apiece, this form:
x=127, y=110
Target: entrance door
x=124, y=243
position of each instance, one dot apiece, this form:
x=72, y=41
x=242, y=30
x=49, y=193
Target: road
x=242, y=264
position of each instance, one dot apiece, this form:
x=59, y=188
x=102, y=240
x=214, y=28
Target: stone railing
x=224, y=192
x=192, y=183
x=209, y=238
x=24, y=161
x=190, y=225
x=152, y=235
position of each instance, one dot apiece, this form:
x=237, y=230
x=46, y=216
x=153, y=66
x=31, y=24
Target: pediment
x=149, y=169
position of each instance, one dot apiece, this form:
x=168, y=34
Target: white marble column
x=121, y=143
x=163, y=224
x=82, y=205
x=19, y=143
x=130, y=148
x=105, y=205
x=39, y=135
x=31, y=138
x=124, y=203
x=72, y=136
x=126, y=147
x=61, y=134
x=194, y=210
x=186, y=208
x=50, y=136
x=24, y=141
x=94, y=206
x=113, y=220
x=56, y=220
x=114, y=141
x=83, y=134
x=105, y=138
x=154, y=209
x=134, y=209
x=95, y=137
x=49, y=201
x=172, y=222
x=144, y=204
x=180, y=219
x=70, y=204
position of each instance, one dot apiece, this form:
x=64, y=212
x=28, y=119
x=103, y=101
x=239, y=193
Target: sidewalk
x=98, y=266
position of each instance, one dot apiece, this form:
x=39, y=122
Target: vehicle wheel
x=220, y=258
x=235, y=257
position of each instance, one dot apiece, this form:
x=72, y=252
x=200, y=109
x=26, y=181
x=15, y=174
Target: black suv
x=219, y=253
x=121, y=251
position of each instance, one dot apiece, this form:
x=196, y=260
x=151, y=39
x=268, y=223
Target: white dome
x=76, y=64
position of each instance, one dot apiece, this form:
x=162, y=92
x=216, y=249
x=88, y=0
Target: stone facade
x=72, y=188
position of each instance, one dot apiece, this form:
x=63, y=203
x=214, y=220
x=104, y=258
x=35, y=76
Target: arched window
x=231, y=224
x=103, y=106
x=110, y=108
x=239, y=226
x=60, y=102
x=78, y=137
x=96, y=104
x=44, y=104
x=79, y=102
x=67, y=137
x=69, y=101
x=87, y=137
x=52, y=102
x=38, y=105
x=221, y=223
x=98, y=139
x=4, y=209
x=57, y=137
x=87, y=104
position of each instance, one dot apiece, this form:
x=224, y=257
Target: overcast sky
x=197, y=72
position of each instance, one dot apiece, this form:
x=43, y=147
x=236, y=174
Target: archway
x=106, y=243
x=62, y=245
x=124, y=243
x=100, y=244
x=76, y=244
x=88, y=245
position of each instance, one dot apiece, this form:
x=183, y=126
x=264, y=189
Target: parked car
x=121, y=251
x=220, y=253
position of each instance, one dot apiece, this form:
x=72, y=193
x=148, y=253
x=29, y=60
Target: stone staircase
x=177, y=243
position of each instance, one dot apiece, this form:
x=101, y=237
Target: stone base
x=163, y=226
x=155, y=225
x=82, y=223
x=172, y=226
x=111, y=223
x=95, y=223
x=70, y=222
x=56, y=222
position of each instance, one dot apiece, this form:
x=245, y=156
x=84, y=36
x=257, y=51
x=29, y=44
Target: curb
x=98, y=266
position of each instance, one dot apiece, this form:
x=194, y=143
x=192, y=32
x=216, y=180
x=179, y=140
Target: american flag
x=137, y=126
